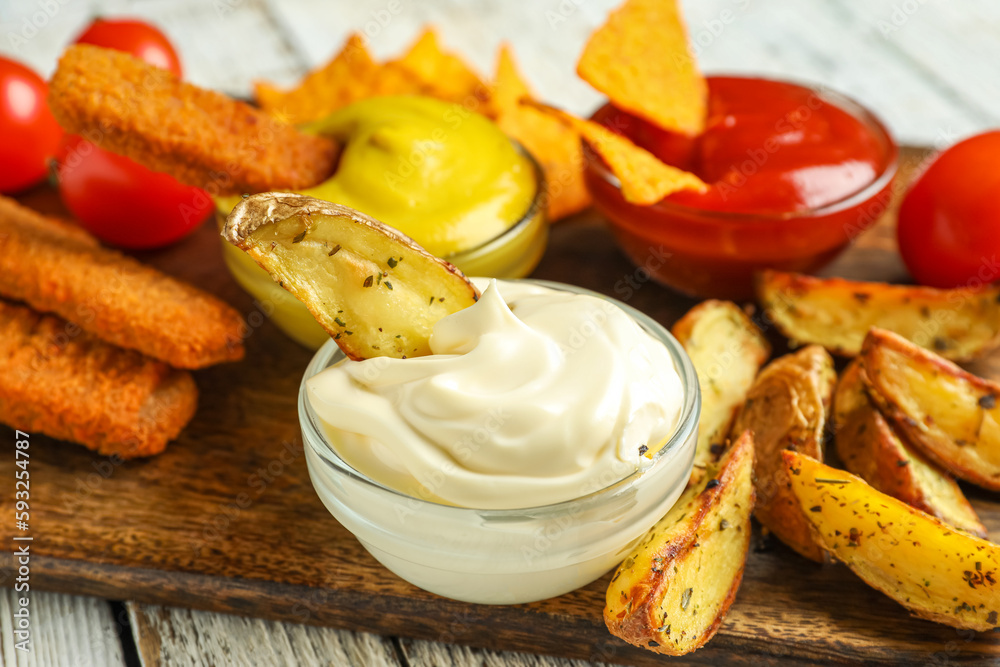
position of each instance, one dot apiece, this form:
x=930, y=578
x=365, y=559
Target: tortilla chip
x=426, y=70
x=644, y=179
x=343, y=80
x=642, y=61
x=353, y=75
x=448, y=77
x=555, y=145
x=508, y=84
x=394, y=79
x=557, y=149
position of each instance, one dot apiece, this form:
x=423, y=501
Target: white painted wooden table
x=928, y=68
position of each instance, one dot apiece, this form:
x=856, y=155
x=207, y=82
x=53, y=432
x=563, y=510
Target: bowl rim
x=844, y=102
x=686, y=427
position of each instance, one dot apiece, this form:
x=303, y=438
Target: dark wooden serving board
x=226, y=519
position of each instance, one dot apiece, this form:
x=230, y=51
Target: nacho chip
x=555, y=145
x=345, y=79
x=394, y=79
x=557, y=149
x=508, y=84
x=448, y=77
x=644, y=179
x=427, y=70
x=642, y=61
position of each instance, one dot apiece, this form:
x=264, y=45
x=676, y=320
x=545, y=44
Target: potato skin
x=727, y=350
x=870, y=448
x=959, y=324
x=948, y=414
x=787, y=409
x=936, y=572
x=660, y=598
x=372, y=288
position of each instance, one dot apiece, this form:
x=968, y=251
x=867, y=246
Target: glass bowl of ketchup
x=795, y=173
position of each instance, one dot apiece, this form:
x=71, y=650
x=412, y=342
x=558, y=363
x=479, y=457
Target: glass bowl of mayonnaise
x=548, y=431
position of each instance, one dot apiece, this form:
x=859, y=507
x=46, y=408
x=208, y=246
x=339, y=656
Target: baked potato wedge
x=371, y=287
x=949, y=414
x=727, y=350
x=786, y=408
x=925, y=565
x=673, y=591
x=959, y=324
x=871, y=449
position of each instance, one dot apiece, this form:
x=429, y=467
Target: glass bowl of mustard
x=440, y=173
x=505, y=556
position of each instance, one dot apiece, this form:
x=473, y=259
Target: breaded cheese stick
x=112, y=296
x=66, y=383
x=198, y=136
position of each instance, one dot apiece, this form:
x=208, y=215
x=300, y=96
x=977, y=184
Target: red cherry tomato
x=139, y=38
x=118, y=200
x=29, y=135
x=949, y=221
x=124, y=203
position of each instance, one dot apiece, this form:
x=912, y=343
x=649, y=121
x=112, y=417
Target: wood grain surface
x=175, y=637
x=65, y=630
x=226, y=519
x=184, y=637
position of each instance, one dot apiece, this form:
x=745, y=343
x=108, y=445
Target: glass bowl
x=512, y=254
x=706, y=253
x=505, y=556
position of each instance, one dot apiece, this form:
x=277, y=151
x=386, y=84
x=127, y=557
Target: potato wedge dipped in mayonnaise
x=374, y=289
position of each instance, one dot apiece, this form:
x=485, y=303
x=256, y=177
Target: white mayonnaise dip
x=532, y=396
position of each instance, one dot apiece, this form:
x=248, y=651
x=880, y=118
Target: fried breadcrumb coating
x=58, y=269
x=200, y=137
x=66, y=383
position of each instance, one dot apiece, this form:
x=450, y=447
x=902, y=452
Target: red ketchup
x=768, y=147
x=794, y=175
